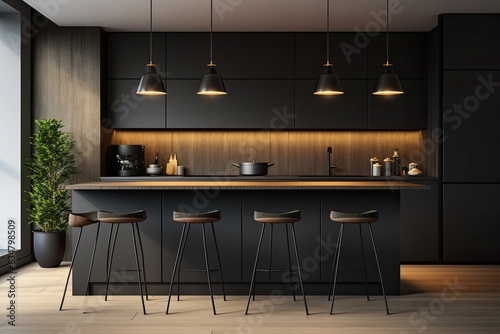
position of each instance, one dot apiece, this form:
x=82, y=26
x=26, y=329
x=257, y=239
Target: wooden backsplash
x=293, y=152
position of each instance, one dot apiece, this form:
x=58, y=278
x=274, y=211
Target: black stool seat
x=197, y=218
x=277, y=218
x=269, y=219
x=355, y=218
x=122, y=218
x=363, y=218
x=80, y=220
x=202, y=218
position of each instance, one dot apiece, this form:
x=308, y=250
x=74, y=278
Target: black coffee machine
x=126, y=160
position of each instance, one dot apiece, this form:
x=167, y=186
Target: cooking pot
x=253, y=168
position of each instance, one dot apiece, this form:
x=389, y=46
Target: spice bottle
x=396, y=163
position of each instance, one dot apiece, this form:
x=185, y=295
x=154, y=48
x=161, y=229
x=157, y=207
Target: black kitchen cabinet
x=470, y=121
x=407, y=52
x=124, y=257
x=348, y=111
x=471, y=41
x=127, y=110
x=128, y=54
x=420, y=231
x=227, y=230
x=349, y=60
x=470, y=223
x=406, y=111
x=307, y=231
x=237, y=55
x=248, y=105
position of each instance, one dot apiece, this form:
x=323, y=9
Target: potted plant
x=51, y=165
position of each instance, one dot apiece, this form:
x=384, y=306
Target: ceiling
x=256, y=15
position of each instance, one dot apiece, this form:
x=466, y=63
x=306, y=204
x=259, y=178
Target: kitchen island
x=237, y=232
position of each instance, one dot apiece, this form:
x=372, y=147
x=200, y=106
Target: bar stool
x=187, y=219
x=119, y=219
x=343, y=218
x=81, y=220
x=287, y=218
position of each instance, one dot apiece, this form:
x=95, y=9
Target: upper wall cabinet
x=248, y=105
x=128, y=54
x=407, y=52
x=346, y=55
x=348, y=111
x=127, y=110
x=237, y=55
x=471, y=41
x=407, y=111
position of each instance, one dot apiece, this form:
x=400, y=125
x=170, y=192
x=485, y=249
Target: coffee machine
x=126, y=160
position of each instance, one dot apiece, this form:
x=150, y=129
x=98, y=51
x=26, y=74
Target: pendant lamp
x=151, y=83
x=328, y=82
x=388, y=82
x=211, y=82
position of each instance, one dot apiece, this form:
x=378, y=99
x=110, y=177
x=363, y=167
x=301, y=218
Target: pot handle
x=271, y=164
x=236, y=165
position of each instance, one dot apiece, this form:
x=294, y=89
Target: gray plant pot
x=49, y=248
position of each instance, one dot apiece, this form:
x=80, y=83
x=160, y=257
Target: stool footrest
x=274, y=270
x=198, y=270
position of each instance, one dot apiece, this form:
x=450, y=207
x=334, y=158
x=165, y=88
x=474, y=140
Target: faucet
x=328, y=161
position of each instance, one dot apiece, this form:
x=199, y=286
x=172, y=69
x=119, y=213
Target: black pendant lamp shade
x=388, y=82
x=211, y=82
x=328, y=82
x=151, y=83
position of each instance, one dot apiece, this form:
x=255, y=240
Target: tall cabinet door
x=471, y=101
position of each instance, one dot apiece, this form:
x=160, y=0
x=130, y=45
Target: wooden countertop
x=248, y=185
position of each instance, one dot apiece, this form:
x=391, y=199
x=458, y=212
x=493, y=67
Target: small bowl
x=154, y=170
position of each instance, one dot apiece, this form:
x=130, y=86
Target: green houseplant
x=51, y=165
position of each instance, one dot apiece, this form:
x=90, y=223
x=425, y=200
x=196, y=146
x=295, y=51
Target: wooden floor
x=435, y=299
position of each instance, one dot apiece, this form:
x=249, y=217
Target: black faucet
x=328, y=161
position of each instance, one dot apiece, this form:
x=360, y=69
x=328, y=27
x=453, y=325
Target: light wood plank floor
x=435, y=299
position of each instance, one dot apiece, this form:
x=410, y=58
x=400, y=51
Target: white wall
x=10, y=126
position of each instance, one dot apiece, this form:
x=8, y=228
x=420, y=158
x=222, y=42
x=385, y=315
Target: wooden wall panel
x=67, y=86
x=293, y=152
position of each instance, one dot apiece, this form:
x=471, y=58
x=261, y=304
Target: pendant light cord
x=387, y=32
x=151, y=32
x=211, y=28
x=327, y=32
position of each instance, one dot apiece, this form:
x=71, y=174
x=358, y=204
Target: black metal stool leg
x=143, y=262
x=378, y=267
x=333, y=267
x=218, y=260
x=207, y=266
x=110, y=258
x=364, y=262
x=176, y=264
x=298, y=268
x=271, y=251
x=138, y=268
x=337, y=260
x=290, y=262
x=87, y=292
x=252, y=282
x=180, y=261
x=71, y=266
